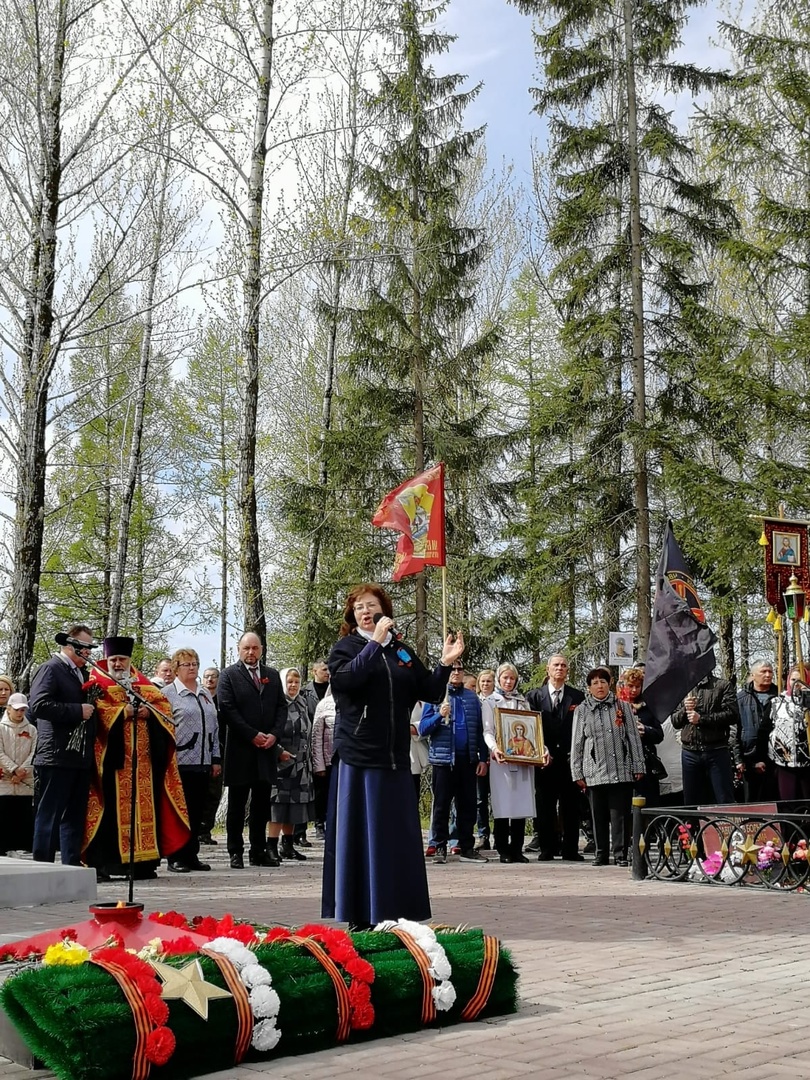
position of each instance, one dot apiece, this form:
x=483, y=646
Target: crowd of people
x=118, y=771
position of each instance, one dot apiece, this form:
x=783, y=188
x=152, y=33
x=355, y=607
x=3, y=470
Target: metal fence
x=769, y=850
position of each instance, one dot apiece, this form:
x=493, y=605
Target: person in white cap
x=18, y=740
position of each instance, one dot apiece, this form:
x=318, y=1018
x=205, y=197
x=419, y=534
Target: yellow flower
x=65, y=952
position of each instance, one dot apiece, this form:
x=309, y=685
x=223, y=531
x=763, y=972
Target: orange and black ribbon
x=423, y=963
x=344, y=1005
x=244, y=1012
x=141, y=1066
x=486, y=981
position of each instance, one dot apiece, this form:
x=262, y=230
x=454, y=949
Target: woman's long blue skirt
x=373, y=867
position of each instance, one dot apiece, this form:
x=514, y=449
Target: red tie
x=257, y=681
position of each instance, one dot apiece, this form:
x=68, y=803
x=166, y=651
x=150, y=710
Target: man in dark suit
x=554, y=788
x=252, y=705
x=57, y=708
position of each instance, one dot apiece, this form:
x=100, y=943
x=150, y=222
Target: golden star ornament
x=188, y=984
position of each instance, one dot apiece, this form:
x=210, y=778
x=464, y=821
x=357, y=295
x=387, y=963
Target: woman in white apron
x=511, y=785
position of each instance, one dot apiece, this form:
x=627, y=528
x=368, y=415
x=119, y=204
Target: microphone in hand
x=392, y=630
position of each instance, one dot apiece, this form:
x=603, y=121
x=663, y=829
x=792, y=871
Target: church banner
x=416, y=509
x=785, y=545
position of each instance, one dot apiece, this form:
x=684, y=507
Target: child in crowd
x=18, y=740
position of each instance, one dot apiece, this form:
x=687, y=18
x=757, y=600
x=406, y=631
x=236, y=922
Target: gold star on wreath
x=748, y=849
x=188, y=984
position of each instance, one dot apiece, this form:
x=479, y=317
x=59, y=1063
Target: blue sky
x=495, y=46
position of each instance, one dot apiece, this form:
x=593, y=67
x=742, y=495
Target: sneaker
x=472, y=856
x=441, y=853
x=483, y=844
x=430, y=851
x=533, y=844
x=455, y=850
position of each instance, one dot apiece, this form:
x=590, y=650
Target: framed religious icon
x=786, y=547
x=519, y=735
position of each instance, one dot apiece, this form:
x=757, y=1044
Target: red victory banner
x=416, y=509
x=785, y=545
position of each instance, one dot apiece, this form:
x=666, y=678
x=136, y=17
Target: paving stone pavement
x=641, y=980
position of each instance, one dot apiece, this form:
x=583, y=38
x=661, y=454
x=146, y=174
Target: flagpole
x=444, y=603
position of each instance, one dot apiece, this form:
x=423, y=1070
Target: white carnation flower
x=254, y=974
x=265, y=1035
x=264, y=1002
x=444, y=996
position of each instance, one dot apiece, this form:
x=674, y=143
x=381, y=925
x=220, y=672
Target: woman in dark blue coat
x=373, y=863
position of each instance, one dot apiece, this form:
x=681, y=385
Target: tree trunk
x=640, y=484
x=134, y=462
x=336, y=292
x=36, y=370
x=249, y=556
x=224, y=582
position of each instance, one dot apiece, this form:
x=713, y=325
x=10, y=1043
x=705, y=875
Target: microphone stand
x=135, y=700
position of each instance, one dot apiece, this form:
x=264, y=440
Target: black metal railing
x=767, y=846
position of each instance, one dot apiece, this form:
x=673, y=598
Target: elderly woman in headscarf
x=606, y=758
x=292, y=799
x=511, y=784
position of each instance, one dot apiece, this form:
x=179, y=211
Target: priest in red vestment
x=161, y=820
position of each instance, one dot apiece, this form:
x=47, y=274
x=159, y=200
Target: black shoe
x=544, y=856
x=259, y=860
x=519, y=858
x=472, y=856
x=441, y=853
x=272, y=851
x=197, y=865
x=600, y=860
x=573, y=858
x=533, y=844
x=301, y=841
x=507, y=858
x=179, y=868
x=237, y=862
x=622, y=862
x=102, y=875
x=590, y=848
x=208, y=839
x=287, y=851
x=483, y=844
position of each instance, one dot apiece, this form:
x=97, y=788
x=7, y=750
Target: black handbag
x=656, y=770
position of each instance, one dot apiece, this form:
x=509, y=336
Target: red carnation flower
x=160, y=1045
x=169, y=918
x=157, y=1008
x=179, y=946
x=278, y=933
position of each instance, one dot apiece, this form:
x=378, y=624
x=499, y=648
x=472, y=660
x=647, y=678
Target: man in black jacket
x=554, y=787
x=252, y=706
x=708, y=722
x=57, y=707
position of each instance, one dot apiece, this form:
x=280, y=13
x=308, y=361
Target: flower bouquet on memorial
x=246, y=993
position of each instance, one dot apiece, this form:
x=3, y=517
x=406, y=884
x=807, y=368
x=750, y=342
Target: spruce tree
x=627, y=222
x=399, y=397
